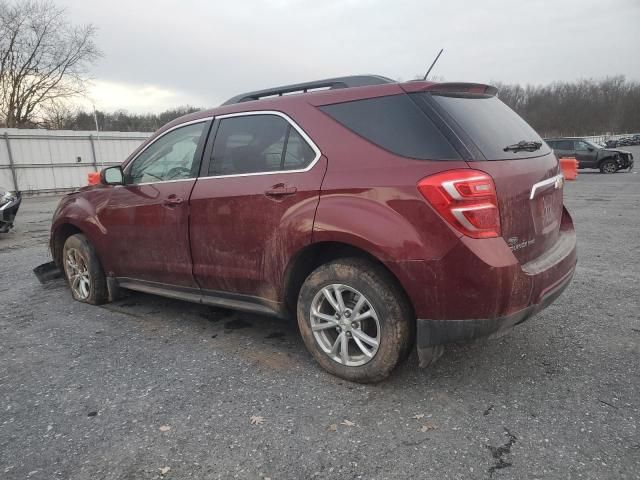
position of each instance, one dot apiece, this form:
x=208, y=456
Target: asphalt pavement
x=148, y=387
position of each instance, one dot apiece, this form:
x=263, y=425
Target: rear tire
x=83, y=271
x=609, y=166
x=355, y=319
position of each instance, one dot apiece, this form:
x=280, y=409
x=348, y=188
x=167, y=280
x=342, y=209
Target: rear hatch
x=496, y=140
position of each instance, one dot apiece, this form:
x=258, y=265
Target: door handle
x=173, y=201
x=280, y=190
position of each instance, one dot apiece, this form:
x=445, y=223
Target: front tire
x=609, y=166
x=83, y=271
x=355, y=320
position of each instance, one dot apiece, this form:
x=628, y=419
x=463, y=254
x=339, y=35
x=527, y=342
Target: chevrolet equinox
x=381, y=214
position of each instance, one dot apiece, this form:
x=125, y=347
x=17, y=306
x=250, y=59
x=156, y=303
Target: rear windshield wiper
x=523, y=145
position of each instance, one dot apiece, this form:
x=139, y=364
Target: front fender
x=79, y=210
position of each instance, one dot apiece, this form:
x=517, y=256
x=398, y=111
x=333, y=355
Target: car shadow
x=276, y=344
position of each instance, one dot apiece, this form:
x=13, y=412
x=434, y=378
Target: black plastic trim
x=234, y=301
x=330, y=83
x=451, y=128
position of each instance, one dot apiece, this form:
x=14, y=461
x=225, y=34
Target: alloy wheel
x=345, y=325
x=77, y=272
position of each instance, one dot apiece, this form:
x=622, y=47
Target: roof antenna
x=434, y=62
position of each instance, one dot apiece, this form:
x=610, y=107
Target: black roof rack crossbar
x=329, y=83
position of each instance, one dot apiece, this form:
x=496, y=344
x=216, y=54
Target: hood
x=617, y=150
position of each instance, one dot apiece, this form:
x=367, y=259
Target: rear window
x=490, y=124
x=396, y=124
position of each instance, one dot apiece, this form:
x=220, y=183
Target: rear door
x=254, y=205
x=147, y=219
x=563, y=148
x=528, y=181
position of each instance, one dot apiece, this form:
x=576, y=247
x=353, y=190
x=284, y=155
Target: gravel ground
x=155, y=388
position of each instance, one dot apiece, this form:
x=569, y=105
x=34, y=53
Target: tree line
x=119, y=121
x=579, y=108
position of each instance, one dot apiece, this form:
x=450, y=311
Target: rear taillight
x=466, y=199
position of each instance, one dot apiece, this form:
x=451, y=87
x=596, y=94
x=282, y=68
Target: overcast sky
x=160, y=54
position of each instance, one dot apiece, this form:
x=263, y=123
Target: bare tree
x=56, y=115
x=43, y=59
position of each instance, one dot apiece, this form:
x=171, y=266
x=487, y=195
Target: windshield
x=494, y=128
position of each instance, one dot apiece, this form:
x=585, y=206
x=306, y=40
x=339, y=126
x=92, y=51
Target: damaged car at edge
x=9, y=204
x=592, y=155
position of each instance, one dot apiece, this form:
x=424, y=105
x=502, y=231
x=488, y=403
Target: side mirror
x=590, y=149
x=112, y=176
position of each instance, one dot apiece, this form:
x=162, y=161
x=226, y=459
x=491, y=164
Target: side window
x=552, y=144
x=258, y=143
x=171, y=157
x=298, y=154
x=581, y=146
x=564, y=145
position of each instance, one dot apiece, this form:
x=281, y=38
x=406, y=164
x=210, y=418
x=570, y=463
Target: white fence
x=49, y=161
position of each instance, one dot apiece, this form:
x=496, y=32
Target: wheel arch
x=310, y=257
x=607, y=158
x=64, y=228
x=59, y=236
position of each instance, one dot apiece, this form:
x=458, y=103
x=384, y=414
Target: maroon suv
x=379, y=213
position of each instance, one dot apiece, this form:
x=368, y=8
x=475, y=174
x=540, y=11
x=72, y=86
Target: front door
x=147, y=219
x=254, y=205
x=585, y=154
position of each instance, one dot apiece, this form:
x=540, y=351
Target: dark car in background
x=382, y=215
x=592, y=155
x=9, y=204
x=623, y=141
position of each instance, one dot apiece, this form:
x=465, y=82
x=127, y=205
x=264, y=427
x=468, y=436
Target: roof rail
x=329, y=83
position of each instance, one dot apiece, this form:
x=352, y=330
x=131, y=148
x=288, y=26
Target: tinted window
x=298, y=154
x=396, y=124
x=171, y=157
x=490, y=124
x=564, y=145
x=258, y=143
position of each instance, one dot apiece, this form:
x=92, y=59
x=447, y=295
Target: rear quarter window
x=396, y=124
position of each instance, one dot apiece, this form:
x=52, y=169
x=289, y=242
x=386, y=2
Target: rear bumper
x=439, y=332
x=486, y=295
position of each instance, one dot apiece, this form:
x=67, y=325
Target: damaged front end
x=9, y=204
